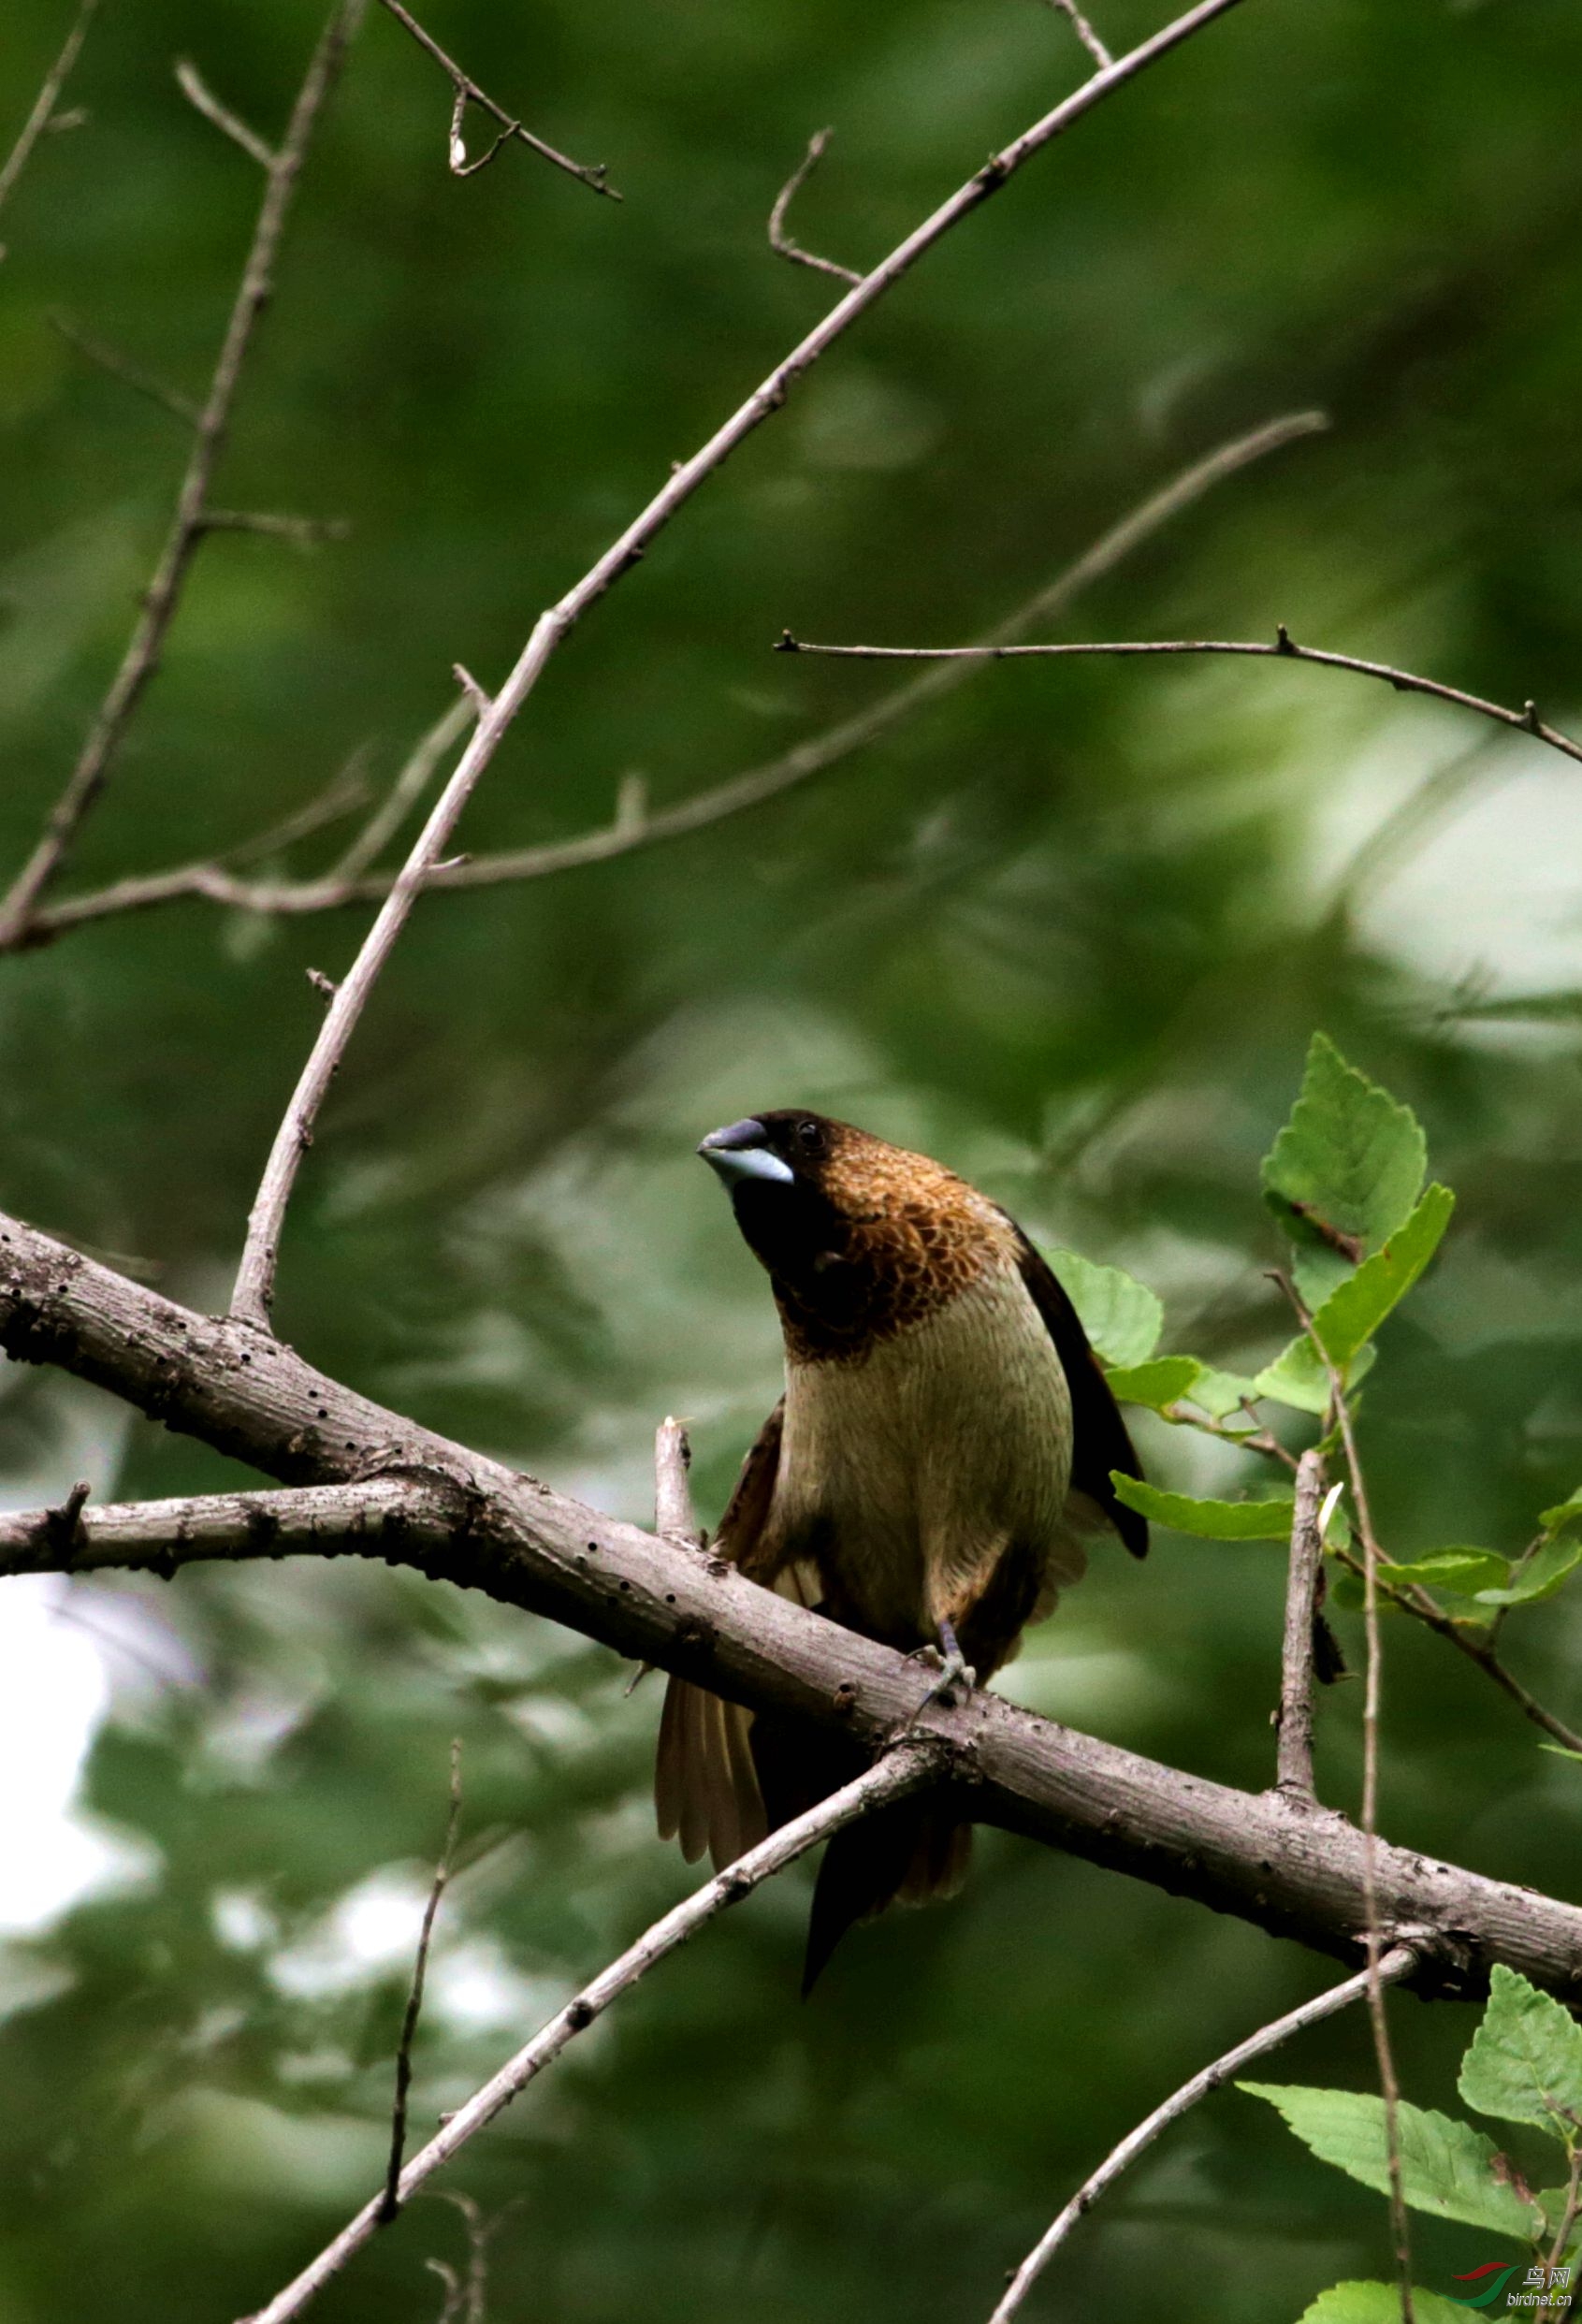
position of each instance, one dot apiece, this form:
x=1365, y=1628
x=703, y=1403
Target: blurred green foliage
x=1071, y=931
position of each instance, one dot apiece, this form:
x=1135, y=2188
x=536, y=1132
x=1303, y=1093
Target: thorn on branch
x=61, y=1534
x=481, y=703
x=1283, y=639
x=785, y=644
x=202, y=96
x=780, y=240
x=325, y=987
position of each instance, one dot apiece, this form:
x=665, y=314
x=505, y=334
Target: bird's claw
x=954, y=1668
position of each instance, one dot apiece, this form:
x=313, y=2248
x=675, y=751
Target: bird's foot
x=954, y=1668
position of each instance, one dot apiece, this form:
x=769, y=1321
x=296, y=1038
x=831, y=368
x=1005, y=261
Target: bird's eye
x=810, y=1137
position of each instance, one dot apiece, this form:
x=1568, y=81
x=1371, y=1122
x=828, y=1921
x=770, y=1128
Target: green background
x=1069, y=931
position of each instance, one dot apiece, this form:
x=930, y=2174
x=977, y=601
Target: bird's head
x=856, y=1234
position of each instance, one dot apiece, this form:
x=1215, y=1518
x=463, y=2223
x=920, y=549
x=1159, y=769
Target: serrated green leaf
x=1221, y=1393
x=1159, y=1383
x=1298, y=1377
x=1524, y=2062
x=1380, y=2304
x=1447, y=2168
x=1564, y=1514
x=1540, y=1577
x=1349, y=1163
x=1215, y=1520
x=1464, y=1571
x=1351, y=1314
x=1121, y=1317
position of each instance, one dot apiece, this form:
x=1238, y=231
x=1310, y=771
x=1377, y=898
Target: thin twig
x=1394, y=1965
x=306, y=531
x=674, y=1513
x=779, y=238
x=738, y=795
x=203, y=99
x=1085, y=33
x=44, y=104
x=391, y=2203
x=161, y=599
x=1525, y=720
x=1294, y=1751
x=1552, y=2310
x=1389, y=2084
x=416, y=774
x=468, y=93
x=903, y=1770
x=131, y=375
x=254, y=1284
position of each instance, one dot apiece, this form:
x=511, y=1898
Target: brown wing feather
x=705, y=1787
x=1099, y=1439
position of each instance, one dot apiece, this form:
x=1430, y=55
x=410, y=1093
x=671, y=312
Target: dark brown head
x=860, y=1239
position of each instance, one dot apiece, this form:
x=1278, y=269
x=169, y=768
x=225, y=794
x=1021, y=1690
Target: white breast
x=924, y=1460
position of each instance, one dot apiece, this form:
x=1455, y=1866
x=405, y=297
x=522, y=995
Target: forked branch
x=468, y=93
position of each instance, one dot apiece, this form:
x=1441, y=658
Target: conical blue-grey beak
x=741, y=1151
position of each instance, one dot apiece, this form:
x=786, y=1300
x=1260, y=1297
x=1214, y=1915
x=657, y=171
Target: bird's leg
x=952, y=1666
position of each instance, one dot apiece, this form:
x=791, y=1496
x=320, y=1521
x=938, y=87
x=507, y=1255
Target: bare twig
x=1084, y=32
x=1525, y=720
x=43, y=115
x=254, y=1284
x=131, y=375
x=202, y=97
x=391, y=2203
x=1389, y=2084
x=738, y=795
x=468, y=93
x=306, y=531
x=779, y=238
x=416, y=774
x=1395, y=1964
x=903, y=1770
x=1554, y=2310
x=141, y=656
x=674, y=1513
x=1294, y=1753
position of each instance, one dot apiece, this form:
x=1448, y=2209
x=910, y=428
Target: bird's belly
x=927, y=1458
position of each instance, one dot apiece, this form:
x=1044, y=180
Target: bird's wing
x=1099, y=1440
x=705, y=1785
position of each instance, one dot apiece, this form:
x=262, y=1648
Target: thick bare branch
x=1294, y=1755
x=779, y=238
x=1394, y=1965
x=351, y=883
x=392, y=1490
x=189, y=523
x=42, y=117
x=254, y=1284
x=468, y=93
x=904, y=1768
x=1284, y=648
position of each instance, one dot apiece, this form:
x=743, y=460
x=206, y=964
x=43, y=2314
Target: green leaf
x=1298, y=1377
x=1447, y=2168
x=1565, y=1514
x=1158, y=1383
x=1560, y=1751
x=1465, y=1571
x=1349, y=1163
x=1215, y=1520
x=1380, y=2304
x=1221, y=1393
x=1350, y=1316
x=1540, y=1577
x=1524, y=2062
x=1121, y=1317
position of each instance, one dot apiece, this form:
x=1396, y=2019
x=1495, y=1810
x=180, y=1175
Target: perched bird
x=945, y=1429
